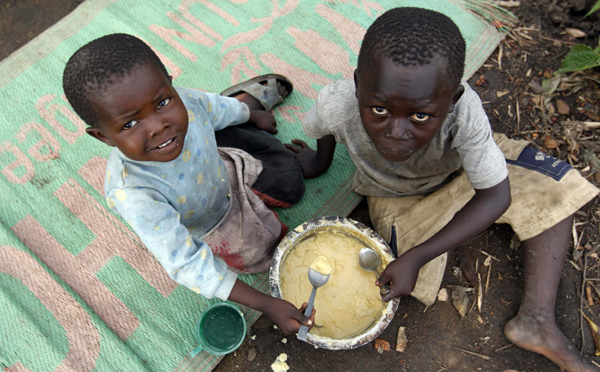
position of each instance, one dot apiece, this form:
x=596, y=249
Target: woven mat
x=78, y=291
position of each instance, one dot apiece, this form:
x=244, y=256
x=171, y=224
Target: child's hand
x=263, y=120
x=402, y=273
x=288, y=317
x=307, y=159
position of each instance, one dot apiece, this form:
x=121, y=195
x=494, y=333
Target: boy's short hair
x=415, y=37
x=98, y=65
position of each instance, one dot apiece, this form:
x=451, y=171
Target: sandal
x=267, y=95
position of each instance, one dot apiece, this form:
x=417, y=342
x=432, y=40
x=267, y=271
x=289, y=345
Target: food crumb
x=284, y=340
x=280, y=365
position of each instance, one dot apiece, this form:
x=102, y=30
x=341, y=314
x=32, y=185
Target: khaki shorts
x=544, y=191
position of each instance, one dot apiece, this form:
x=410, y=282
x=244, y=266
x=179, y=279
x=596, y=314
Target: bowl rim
x=347, y=224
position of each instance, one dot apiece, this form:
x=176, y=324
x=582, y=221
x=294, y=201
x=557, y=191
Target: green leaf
x=580, y=57
x=595, y=8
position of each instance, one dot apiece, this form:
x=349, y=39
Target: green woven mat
x=78, y=291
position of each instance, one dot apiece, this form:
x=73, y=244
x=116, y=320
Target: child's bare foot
x=543, y=337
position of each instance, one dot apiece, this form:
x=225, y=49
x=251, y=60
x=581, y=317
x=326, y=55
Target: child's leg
x=546, y=192
x=281, y=183
x=534, y=327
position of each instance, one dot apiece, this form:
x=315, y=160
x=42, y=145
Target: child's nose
x=156, y=126
x=398, y=130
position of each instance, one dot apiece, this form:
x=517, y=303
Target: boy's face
x=403, y=108
x=143, y=116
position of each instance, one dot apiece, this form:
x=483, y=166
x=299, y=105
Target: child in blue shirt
x=192, y=204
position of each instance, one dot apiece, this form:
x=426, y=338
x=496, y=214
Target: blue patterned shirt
x=172, y=205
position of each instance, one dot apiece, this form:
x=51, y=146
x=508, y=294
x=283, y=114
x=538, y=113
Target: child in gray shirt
x=431, y=166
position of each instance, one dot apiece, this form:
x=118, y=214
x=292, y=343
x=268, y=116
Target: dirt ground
x=438, y=338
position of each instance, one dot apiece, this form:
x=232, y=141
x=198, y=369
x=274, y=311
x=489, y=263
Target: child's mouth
x=394, y=152
x=166, y=146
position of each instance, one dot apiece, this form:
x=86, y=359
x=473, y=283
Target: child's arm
x=477, y=215
x=313, y=163
x=226, y=111
x=190, y=262
x=286, y=315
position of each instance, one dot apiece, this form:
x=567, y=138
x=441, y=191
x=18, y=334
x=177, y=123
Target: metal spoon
x=369, y=260
x=317, y=280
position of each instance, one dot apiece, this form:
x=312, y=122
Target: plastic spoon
x=369, y=260
x=317, y=280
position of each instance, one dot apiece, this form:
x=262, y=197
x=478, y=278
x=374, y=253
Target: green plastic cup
x=220, y=330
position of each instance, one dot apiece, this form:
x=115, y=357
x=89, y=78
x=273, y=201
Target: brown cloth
x=539, y=201
x=248, y=234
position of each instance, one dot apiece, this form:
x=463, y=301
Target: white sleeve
x=332, y=110
x=222, y=111
x=482, y=159
x=312, y=123
x=188, y=261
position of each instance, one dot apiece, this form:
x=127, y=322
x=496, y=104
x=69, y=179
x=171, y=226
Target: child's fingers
x=271, y=129
x=304, y=319
x=383, y=279
x=292, y=148
x=389, y=296
x=300, y=143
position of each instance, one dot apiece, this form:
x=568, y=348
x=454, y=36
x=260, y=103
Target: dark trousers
x=281, y=178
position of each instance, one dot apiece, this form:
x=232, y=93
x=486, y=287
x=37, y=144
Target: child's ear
x=99, y=135
x=458, y=92
x=170, y=79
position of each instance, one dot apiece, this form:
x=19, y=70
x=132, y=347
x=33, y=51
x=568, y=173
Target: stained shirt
x=464, y=142
x=172, y=205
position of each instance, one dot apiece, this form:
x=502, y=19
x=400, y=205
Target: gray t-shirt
x=464, y=142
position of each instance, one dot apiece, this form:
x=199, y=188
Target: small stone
x=251, y=354
x=562, y=107
x=284, y=341
x=274, y=326
x=575, y=32
x=443, y=295
x=460, y=300
x=381, y=345
x=401, y=340
x=550, y=143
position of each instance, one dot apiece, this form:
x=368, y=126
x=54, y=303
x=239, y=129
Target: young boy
x=430, y=165
x=182, y=195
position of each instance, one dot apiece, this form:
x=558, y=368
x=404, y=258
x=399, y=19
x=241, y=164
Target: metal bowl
x=357, y=231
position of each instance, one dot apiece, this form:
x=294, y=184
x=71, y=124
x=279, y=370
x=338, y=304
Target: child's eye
x=421, y=118
x=378, y=110
x=130, y=124
x=164, y=102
